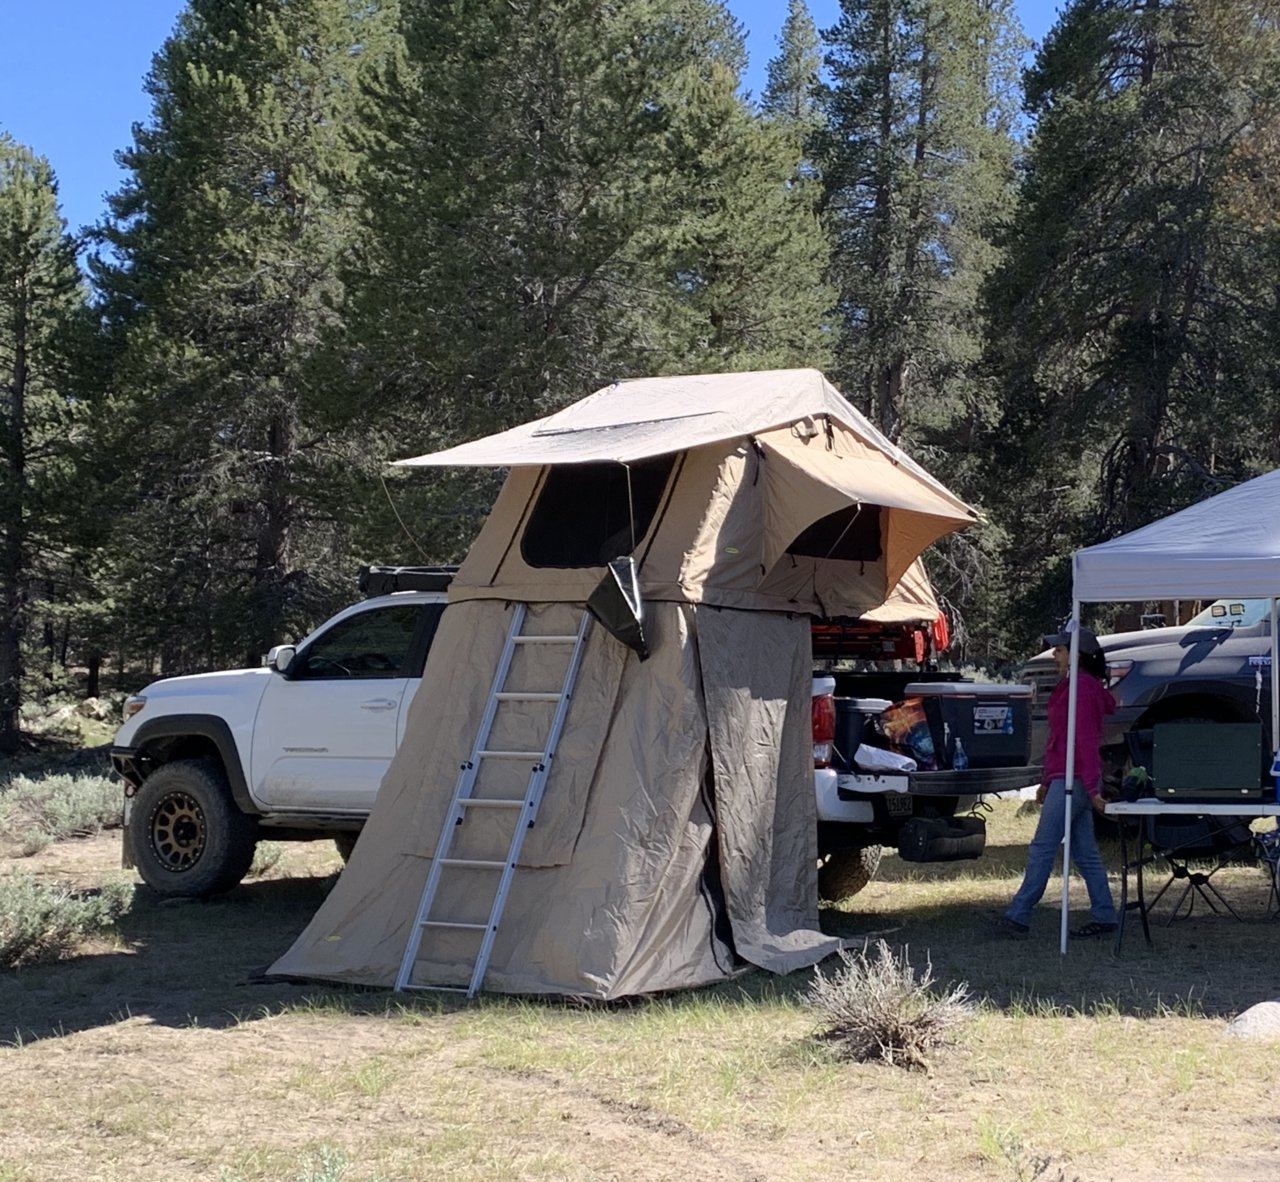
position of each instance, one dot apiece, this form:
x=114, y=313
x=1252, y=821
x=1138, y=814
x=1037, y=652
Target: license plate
x=899, y=804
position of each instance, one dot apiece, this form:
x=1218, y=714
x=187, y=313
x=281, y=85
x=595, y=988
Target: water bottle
x=960, y=760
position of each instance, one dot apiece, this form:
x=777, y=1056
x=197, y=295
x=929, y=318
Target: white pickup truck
x=296, y=750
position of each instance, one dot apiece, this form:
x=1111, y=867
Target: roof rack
x=383, y=580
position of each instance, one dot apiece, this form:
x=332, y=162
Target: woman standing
x=1093, y=703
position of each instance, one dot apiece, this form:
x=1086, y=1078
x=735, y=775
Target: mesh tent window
x=852, y=535
x=583, y=514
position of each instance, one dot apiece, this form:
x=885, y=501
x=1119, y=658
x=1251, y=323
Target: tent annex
x=1227, y=545
x=677, y=835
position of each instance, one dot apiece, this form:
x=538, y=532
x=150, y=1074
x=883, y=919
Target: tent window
x=851, y=534
x=581, y=517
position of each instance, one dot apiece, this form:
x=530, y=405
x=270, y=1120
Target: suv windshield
x=1231, y=613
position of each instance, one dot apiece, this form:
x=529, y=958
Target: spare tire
x=843, y=873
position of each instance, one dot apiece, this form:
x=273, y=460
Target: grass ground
x=160, y=1054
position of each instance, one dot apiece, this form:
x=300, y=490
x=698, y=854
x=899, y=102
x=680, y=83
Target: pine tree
x=791, y=92
x=917, y=160
x=222, y=281
x=41, y=301
x=1134, y=323
x=560, y=194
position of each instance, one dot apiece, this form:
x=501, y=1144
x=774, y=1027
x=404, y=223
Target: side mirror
x=281, y=657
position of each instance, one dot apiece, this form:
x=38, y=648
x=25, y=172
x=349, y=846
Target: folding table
x=1132, y=863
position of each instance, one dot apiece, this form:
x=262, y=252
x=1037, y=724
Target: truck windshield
x=1231, y=613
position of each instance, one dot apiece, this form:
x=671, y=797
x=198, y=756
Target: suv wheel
x=187, y=836
x=846, y=872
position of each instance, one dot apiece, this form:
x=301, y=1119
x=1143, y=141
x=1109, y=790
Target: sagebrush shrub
x=266, y=856
x=34, y=812
x=875, y=1006
x=41, y=922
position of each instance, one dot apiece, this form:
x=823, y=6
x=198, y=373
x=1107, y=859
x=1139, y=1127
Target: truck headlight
x=132, y=705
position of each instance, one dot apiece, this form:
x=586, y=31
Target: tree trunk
x=275, y=527
x=12, y=533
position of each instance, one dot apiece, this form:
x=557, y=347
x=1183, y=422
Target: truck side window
x=583, y=514
x=372, y=644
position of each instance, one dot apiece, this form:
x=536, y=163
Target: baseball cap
x=1088, y=640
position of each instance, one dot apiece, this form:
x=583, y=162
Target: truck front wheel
x=844, y=873
x=187, y=835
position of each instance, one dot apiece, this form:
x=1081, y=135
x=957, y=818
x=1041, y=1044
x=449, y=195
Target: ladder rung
x=486, y=802
x=531, y=696
x=473, y=863
x=509, y=754
x=448, y=923
x=439, y=988
x=546, y=640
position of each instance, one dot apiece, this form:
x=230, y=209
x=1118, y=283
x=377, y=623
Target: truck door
x=326, y=732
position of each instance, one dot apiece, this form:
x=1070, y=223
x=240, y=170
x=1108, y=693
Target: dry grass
x=160, y=1054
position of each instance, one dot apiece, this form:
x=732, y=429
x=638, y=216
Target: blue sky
x=71, y=86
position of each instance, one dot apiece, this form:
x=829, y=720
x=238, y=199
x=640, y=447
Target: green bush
x=875, y=1007
x=34, y=812
x=40, y=923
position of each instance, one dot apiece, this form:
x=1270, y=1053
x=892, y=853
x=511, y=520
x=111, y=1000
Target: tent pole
x=1275, y=683
x=1072, y=702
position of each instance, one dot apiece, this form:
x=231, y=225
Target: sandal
x=1092, y=929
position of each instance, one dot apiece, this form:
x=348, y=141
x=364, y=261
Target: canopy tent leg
x=1072, y=701
x=1275, y=683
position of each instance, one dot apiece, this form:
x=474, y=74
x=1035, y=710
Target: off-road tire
x=345, y=843
x=187, y=836
x=844, y=873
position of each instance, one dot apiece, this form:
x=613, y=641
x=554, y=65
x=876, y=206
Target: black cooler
x=992, y=723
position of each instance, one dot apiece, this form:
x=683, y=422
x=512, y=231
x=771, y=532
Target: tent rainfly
x=1228, y=545
x=677, y=834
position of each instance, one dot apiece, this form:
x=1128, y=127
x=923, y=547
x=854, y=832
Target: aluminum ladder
x=524, y=811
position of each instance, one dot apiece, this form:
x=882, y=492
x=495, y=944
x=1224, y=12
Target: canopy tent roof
x=1228, y=545
x=634, y=419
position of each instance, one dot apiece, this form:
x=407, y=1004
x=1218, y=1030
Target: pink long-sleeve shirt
x=1093, y=703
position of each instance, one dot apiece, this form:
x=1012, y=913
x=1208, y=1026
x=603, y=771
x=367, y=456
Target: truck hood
x=205, y=685
x=1133, y=645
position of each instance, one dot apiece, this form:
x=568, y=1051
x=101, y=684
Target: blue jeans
x=1043, y=852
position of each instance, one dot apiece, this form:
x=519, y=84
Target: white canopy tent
x=1228, y=545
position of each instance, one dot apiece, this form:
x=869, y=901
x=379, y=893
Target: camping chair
x=1195, y=849
x=1267, y=848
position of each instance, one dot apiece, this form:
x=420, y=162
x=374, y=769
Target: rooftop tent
x=763, y=491
x=677, y=837
x=1228, y=545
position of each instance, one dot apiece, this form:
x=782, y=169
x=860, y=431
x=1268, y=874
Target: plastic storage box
x=853, y=725
x=1208, y=760
x=993, y=722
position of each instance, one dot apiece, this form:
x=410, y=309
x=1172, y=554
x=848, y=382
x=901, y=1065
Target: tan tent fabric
x=756, y=677
x=634, y=909
x=911, y=601
x=722, y=530
x=630, y=420
x=677, y=835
